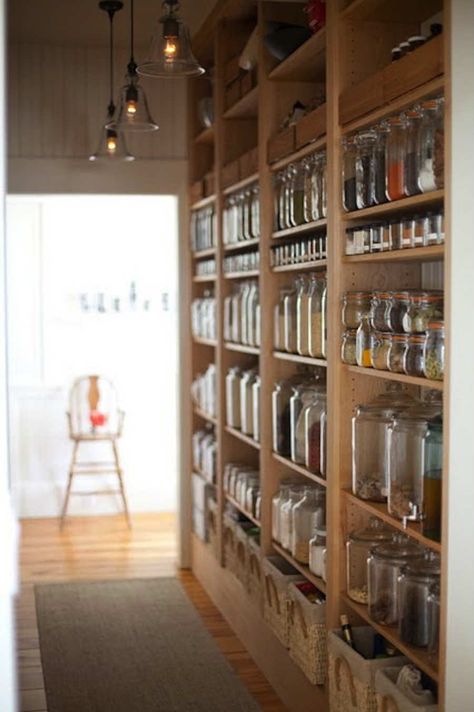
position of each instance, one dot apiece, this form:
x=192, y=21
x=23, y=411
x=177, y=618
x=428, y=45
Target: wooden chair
x=94, y=416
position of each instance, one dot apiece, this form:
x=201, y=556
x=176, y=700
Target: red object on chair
x=97, y=418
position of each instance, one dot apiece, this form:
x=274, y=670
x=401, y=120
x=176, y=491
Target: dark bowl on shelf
x=283, y=40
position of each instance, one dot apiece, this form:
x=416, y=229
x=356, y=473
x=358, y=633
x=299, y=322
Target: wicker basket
x=212, y=526
x=229, y=541
x=390, y=698
x=352, y=676
x=254, y=573
x=307, y=636
x=278, y=573
x=241, y=555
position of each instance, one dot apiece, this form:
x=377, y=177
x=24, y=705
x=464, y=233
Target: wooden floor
x=103, y=548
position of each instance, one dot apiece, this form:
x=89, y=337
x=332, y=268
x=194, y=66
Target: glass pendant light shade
x=170, y=53
x=112, y=145
x=133, y=113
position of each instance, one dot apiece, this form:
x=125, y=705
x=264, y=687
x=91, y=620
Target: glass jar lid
x=399, y=551
x=375, y=531
x=436, y=326
x=425, y=568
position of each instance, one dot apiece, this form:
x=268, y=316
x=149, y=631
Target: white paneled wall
x=58, y=96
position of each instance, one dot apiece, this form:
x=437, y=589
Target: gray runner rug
x=131, y=646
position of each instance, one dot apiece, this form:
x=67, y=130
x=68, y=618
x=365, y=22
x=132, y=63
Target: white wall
x=59, y=248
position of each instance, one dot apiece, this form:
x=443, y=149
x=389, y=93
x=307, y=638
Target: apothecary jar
x=307, y=514
x=358, y=547
x=434, y=351
x=414, y=584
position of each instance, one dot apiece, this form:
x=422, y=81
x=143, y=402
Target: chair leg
x=69, y=483
x=121, y=484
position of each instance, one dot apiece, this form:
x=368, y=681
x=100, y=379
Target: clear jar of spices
x=396, y=355
x=423, y=308
x=395, y=156
x=380, y=195
x=365, y=169
x=348, y=347
x=413, y=120
x=413, y=363
x=355, y=305
x=364, y=343
x=381, y=345
x=289, y=305
x=399, y=302
x=434, y=351
x=380, y=304
x=278, y=499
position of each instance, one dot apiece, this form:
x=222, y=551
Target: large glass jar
x=323, y=205
x=354, y=306
x=255, y=211
x=324, y=304
x=278, y=500
x=348, y=347
x=228, y=318
x=349, y=174
x=364, y=343
x=251, y=492
x=302, y=316
x=396, y=355
x=236, y=315
x=317, y=553
x=365, y=169
x=307, y=167
x=413, y=360
x=399, y=302
x=315, y=312
x=414, y=584
x=244, y=299
x=256, y=388
x=297, y=194
x=286, y=519
x=246, y=401
x=395, y=155
x=308, y=514
x=384, y=565
x=289, y=306
x=433, y=604
x=302, y=396
x=380, y=304
x=432, y=479
x=423, y=308
x=281, y=420
x=431, y=146
x=313, y=414
x=381, y=345
x=413, y=120
x=434, y=351
x=232, y=397
x=279, y=321
x=380, y=195
x=277, y=201
x=253, y=327
x=316, y=188
x=358, y=547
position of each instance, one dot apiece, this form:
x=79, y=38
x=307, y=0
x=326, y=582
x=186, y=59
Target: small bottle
x=347, y=631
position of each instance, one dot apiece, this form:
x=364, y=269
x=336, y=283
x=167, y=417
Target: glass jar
x=251, y=491
x=296, y=216
x=303, y=395
x=413, y=360
x=281, y=420
x=307, y=167
x=433, y=605
x=228, y=318
x=308, y=514
x=434, y=351
x=349, y=174
x=324, y=305
x=236, y=315
x=380, y=304
x=286, y=519
x=314, y=431
x=253, y=326
x=381, y=345
x=396, y=234
x=413, y=120
x=289, y=307
x=358, y=547
x=278, y=500
x=256, y=388
x=380, y=195
x=395, y=155
x=348, y=348
x=396, y=355
x=431, y=146
x=323, y=204
x=316, y=188
x=317, y=553
x=414, y=584
x=364, y=343
x=232, y=397
x=302, y=320
x=384, y=565
x=354, y=306
x=432, y=479
x=399, y=302
x=244, y=298
x=365, y=169
x=246, y=401
x=246, y=214
x=315, y=311
x=255, y=211
x=422, y=309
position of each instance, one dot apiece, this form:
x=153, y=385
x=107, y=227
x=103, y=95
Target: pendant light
x=112, y=144
x=134, y=114
x=170, y=53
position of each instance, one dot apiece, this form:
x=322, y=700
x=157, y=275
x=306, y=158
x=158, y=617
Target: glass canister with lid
x=296, y=494
x=348, y=347
x=316, y=316
x=431, y=146
x=381, y=345
x=256, y=388
x=423, y=307
x=413, y=359
x=281, y=419
x=307, y=166
x=279, y=321
x=315, y=431
x=303, y=395
x=365, y=169
x=433, y=605
x=358, y=547
x=232, y=392
x=349, y=174
x=278, y=499
x=317, y=553
x=384, y=566
x=432, y=479
x=290, y=318
x=302, y=316
x=395, y=156
x=307, y=514
x=434, y=351
x=380, y=194
x=246, y=401
x=413, y=119
x=380, y=305
x=355, y=305
x=396, y=355
x=396, y=311
x=414, y=583
x=364, y=338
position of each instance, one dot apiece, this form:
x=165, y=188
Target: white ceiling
x=80, y=22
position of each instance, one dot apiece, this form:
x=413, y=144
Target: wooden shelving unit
x=254, y=119
x=204, y=278
x=241, y=509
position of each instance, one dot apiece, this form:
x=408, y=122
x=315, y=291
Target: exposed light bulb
x=111, y=144
x=131, y=107
x=170, y=49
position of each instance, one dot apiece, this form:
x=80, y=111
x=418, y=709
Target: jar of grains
x=434, y=351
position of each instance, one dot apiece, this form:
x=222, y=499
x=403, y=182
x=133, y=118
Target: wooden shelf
x=433, y=253
x=201, y=474
x=242, y=348
x=205, y=342
x=379, y=510
x=399, y=377
x=300, y=229
x=205, y=136
x=204, y=202
x=299, y=154
x=301, y=267
x=296, y=358
x=201, y=254
x=299, y=469
x=254, y=242
x=205, y=416
x=241, y=184
x=242, y=275
x=241, y=436
x=305, y=64
x=245, y=108
x=423, y=200
x=417, y=655
x=204, y=278
x=241, y=509
x=387, y=11
x=304, y=570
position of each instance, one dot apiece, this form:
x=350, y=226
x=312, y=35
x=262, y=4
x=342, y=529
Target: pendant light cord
x=132, y=33
x=111, y=60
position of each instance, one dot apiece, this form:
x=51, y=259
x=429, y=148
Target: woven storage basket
x=390, y=698
x=278, y=573
x=352, y=676
x=212, y=526
x=229, y=541
x=307, y=636
x=254, y=573
x=241, y=555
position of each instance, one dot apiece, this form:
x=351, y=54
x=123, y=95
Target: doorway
x=92, y=289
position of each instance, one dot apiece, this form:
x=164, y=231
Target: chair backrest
x=93, y=406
